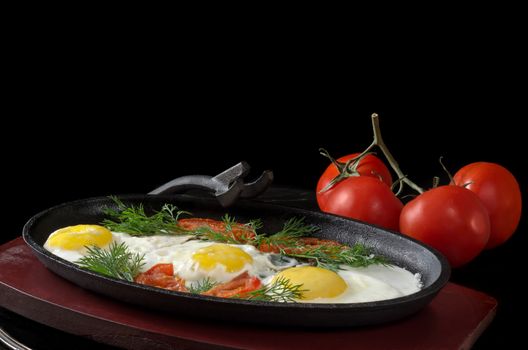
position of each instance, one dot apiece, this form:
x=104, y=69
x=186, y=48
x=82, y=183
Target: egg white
x=70, y=255
x=365, y=284
x=179, y=250
x=371, y=283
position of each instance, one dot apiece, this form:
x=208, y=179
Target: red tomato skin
x=368, y=166
x=498, y=189
x=162, y=276
x=164, y=269
x=451, y=219
x=363, y=198
x=238, y=286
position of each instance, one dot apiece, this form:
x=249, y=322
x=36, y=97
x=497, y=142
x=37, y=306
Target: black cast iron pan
x=399, y=249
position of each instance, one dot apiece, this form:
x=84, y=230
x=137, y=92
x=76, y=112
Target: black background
x=92, y=123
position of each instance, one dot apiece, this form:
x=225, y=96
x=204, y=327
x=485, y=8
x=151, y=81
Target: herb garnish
x=332, y=257
x=208, y=234
x=289, y=241
x=134, y=221
x=202, y=286
x=280, y=290
x=227, y=235
x=292, y=230
x=117, y=261
x=254, y=224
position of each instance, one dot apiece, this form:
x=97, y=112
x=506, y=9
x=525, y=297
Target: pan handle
x=226, y=194
x=227, y=186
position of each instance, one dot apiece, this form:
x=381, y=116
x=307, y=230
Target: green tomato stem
x=378, y=141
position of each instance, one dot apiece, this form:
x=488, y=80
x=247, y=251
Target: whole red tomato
x=499, y=191
x=363, y=198
x=451, y=219
x=368, y=166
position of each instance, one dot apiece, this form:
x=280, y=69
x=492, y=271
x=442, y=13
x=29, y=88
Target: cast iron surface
x=401, y=250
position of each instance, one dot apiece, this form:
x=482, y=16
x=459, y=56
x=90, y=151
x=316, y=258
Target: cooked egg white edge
x=371, y=283
x=397, y=277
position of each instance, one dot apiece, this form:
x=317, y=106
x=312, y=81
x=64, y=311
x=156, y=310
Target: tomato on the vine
x=363, y=198
x=451, y=219
x=498, y=189
x=370, y=165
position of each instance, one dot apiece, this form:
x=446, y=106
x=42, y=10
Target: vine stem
x=378, y=141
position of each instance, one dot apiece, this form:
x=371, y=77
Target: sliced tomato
x=239, y=232
x=238, y=286
x=162, y=276
x=164, y=269
x=195, y=223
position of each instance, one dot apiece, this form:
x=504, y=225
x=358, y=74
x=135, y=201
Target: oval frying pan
x=399, y=249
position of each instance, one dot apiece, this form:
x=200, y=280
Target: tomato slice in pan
x=162, y=276
x=239, y=232
x=239, y=286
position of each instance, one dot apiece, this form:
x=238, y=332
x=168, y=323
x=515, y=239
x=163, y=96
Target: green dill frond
x=292, y=230
x=281, y=290
x=202, y=286
x=117, y=261
x=295, y=228
x=208, y=234
x=227, y=235
x=254, y=224
x=332, y=257
x=229, y=222
x=134, y=221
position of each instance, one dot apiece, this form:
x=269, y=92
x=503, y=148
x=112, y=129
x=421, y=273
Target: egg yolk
x=232, y=258
x=317, y=282
x=76, y=237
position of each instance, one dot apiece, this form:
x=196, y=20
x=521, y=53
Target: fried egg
x=351, y=285
x=195, y=260
x=70, y=242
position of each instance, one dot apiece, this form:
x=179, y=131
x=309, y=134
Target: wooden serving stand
x=453, y=320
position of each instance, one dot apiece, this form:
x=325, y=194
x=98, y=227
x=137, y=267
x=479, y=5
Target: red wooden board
x=454, y=319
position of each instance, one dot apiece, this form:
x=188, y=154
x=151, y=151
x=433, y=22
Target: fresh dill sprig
x=292, y=230
x=332, y=257
x=233, y=232
x=134, y=221
x=281, y=290
x=229, y=222
x=117, y=261
x=288, y=241
x=208, y=234
x=295, y=228
x=254, y=224
x=202, y=286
